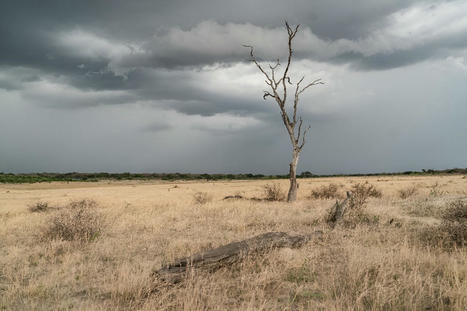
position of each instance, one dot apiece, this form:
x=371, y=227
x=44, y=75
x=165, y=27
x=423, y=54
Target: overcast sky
x=166, y=86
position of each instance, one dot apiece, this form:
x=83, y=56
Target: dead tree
x=278, y=84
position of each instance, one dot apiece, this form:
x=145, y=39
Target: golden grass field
x=380, y=263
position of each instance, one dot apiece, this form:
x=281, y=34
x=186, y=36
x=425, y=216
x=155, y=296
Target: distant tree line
x=93, y=177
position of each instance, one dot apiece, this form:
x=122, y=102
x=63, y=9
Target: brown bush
x=273, y=193
x=407, y=192
x=202, y=198
x=453, y=228
x=360, y=193
x=83, y=204
x=325, y=192
x=425, y=208
x=78, y=221
x=454, y=224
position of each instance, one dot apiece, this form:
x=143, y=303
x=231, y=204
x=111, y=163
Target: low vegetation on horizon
x=400, y=245
x=10, y=178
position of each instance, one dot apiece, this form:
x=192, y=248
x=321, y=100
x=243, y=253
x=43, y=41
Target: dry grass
x=39, y=207
x=202, y=198
x=408, y=192
x=435, y=190
x=379, y=263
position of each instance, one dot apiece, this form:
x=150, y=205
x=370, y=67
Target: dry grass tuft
x=408, y=192
x=202, y=198
x=435, y=190
x=359, y=217
x=82, y=204
x=78, y=221
x=39, y=207
x=426, y=207
x=273, y=192
x=326, y=192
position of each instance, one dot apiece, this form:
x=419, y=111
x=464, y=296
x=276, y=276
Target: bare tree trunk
x=292, y=196
x=278, y=91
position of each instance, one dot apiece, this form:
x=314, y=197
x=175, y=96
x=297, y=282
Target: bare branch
x=276, y=65
x=299, y=130
x=266, y=94
x=315, y=82
x=295, y=104
x=291, y=32
x=304, y=137
x=253, y=59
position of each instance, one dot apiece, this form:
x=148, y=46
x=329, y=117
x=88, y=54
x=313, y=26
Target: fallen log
x=237, y=197
x=216, y=258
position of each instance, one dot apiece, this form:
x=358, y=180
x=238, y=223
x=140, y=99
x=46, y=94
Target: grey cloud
x=156, y=127
x=170, y=80
x=398, y=42
x=25, y=26
x=55, y=95
x=9, y=85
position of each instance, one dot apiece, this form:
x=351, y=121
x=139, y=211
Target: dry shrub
x=425, y=208
x=39, y=207
x=325, y=192
x=83, y=204
x=359, y=217
x=202, y=198
x=350, y=212
x=78, y=221
x=407, y=192
x=435, y=190
x=454, y=224
x=360, y=193
x=451, y=232
x=273, y=193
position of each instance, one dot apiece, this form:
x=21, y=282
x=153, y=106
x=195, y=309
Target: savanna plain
x=94, y=246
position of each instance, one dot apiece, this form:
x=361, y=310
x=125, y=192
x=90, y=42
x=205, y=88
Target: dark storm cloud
x=29, y=31
x=170, y=79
